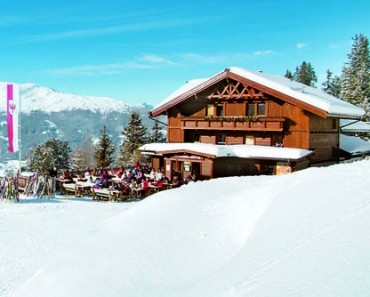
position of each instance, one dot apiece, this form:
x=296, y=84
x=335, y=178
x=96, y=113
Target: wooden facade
x=232, y=112
x=232, y=109
x=192, y=160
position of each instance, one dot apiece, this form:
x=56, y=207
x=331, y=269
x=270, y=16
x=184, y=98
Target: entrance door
x=176, y=168
x=195, y=169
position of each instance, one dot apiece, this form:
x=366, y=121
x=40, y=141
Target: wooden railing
x=259, y=124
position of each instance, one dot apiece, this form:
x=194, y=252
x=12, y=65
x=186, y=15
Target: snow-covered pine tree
x=157, y=135
x=355, y=87
x=134, y=135
x=53, y=153
x=104, y=150
x=332, y=85
x=305, y=74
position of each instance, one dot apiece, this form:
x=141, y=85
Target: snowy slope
x=303, y=234
x=34, y=97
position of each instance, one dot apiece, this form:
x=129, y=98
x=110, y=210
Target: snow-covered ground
x=303, y=234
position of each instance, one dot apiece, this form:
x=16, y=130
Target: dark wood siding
x=263, y=141
x=324, y=138
x=175, y=135
x=206, y=169
x=283, y=121
x=156, y=163
x=235, y=109
x=234, y=140
x=235, y=167
x=208, y=139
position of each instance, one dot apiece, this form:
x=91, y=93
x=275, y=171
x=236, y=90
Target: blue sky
x=142, y=50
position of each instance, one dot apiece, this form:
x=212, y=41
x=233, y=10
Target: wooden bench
x=83, y=189
x=69, y=188
x=100, y=194
x=110, y=195
x=137, y=192
x=117, y=195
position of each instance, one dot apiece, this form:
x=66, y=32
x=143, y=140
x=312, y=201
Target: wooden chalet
x=247, y=109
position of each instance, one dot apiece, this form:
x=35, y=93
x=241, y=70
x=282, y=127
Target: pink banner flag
x=12, y=99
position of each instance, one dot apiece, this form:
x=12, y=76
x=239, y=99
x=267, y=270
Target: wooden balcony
x=261, y=124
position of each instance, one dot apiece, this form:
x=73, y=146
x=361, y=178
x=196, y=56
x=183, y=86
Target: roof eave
x=184, y=96
x=345, y=116
x=280, y=95
x=227, y=73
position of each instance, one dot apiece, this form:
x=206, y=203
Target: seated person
x=176, y=181
x=66, y=175
x=166, y=180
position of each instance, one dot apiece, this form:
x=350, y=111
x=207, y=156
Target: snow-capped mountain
x=38, y=98
x=47, y=114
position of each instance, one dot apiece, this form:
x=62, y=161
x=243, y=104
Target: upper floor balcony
x=239, y=123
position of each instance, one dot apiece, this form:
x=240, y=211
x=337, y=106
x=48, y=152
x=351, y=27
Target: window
x=261, y=108
x=256, y=109
x=187, y=166
x=250, y=109
x=215, y=110
x=221, y=139
x=210, y=110
x=219, y=110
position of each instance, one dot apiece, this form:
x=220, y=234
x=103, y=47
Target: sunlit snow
x=302, y=234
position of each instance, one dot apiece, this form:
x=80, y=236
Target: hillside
x=46, y=113
x=302, y=234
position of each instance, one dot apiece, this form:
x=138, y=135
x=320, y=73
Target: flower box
x=228, y=124
x=203, y=124
x=216, y=124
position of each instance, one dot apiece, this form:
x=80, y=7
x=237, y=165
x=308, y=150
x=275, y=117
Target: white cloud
x=224, y=58
x=301, y=45
x=156, y=59
x=111, y=28
x=103, y=69
x=264, y=53
x=148, y=61
x=204, y=59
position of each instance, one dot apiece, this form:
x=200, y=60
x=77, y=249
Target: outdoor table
x=83, y=188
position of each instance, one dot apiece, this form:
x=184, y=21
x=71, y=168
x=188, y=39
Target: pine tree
x=104, y=150
x=355, y=86
x=134, y=135
x=305, y=74
x=289, y=74
x=54, y=153
x=157, y=135
x=332, y=85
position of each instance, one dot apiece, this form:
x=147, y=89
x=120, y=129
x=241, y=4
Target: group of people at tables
x=139, y=181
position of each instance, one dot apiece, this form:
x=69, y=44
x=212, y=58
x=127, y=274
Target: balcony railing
x=235, y=123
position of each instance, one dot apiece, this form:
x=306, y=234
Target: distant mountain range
x=46, y=113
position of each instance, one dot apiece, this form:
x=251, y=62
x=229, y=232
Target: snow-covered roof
x=188, y=86
x=302, y=93
x=351, y=126
x=240, y=151
x=354, y=145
